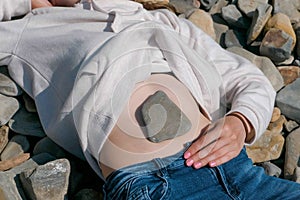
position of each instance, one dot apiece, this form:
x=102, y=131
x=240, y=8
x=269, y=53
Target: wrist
x=249, y=130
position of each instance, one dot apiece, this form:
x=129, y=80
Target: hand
x=40, y=4
x=67, y=3
x=219, y=143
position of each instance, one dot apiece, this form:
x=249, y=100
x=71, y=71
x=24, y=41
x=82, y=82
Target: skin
x=46, y=3
x=217, y=144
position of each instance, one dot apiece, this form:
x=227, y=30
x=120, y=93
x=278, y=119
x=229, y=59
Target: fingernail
x=189, y=162
x=197, y=165
x=213, y=164
x=187, y=155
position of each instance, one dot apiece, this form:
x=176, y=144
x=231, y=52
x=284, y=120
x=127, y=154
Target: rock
x=184, y=6
x=163, y=119
x=3, y=137
x=8, y=187
x=26, y=123
x=292, y=153
x=233, y=38
x=296, y=176
x=276, y=114
x=287, y=100
x=29, y=103
x=276, y=45
x=88, y=194
x=207, y=4
x=220, y=30
x=267, y=147
x=260, y=18
x=217, y=8
x=271, y=169
x=282, y=22
x=297, y=31
x=204, y=21
x=8, y=107
x=15, y=147
x=289, y=73
x=264, y=64
x=234, y=17
x=290, y=125
x=8, y=87
x=15, y=161
x=49, y=181
x=46, y=145
x=277, y=126
x=289, y=7
x=248, y=7
x=288, y=61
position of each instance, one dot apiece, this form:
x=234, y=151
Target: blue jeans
x=169, y=178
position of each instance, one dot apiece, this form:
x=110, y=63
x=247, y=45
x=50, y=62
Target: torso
x=127, y=145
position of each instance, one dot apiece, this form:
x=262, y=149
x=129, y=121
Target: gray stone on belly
x=163, y=119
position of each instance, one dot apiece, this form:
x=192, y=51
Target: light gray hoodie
x=80, y=67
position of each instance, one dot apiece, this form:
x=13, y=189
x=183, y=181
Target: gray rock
x=49, y=181
x=184, y=6
x=9, y=87
x=290, y=125
x=276, y=45
x=207, y=4
x=234, y=17
x=26, y=123
x=264, y=64
x=29, y=103
x=296, y=177
x=8, y=107
x=260, y=18
x=8, y=187
x=46, y=145
x=249, y=6
x=232, y=38
x=271, y=169
x=3, y=137
x=292, y=153
x=288, y=100
x=289, y=7
x=217, y=8
x=288, y=61
x=15, y=147
x=163, y=119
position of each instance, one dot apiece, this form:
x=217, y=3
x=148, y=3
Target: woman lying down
x=157, y=108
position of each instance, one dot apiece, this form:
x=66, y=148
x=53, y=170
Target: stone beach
x=267, y=33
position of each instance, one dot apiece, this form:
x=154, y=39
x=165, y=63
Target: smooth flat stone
x=163, y=119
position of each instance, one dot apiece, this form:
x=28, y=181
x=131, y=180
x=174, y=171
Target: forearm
x=13, y=8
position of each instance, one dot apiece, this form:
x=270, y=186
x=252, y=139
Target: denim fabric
x=169, y=178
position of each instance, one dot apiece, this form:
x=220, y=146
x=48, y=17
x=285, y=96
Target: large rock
x=282, y=22
x=260, y=18
x=292, y=153
x=15, y=147
x=26, y=123
x=289, y=7
x=276, y=45
x=289, y=73
x=267, y=147
x=8, y=87
x=8, y=187
x=184, y=6
x=204, y=21
x=8, y=107
x=264, y=64
x=163, y=118
x=249, y=6
x=49, y=181
x=288, y=100
x=234, y=17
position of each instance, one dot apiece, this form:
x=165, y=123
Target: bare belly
x=127, y=145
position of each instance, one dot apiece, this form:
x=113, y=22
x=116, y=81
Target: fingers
x=220, y=143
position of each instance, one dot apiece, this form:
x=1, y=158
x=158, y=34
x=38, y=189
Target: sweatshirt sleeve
x=244, y=86
x=13, y=8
